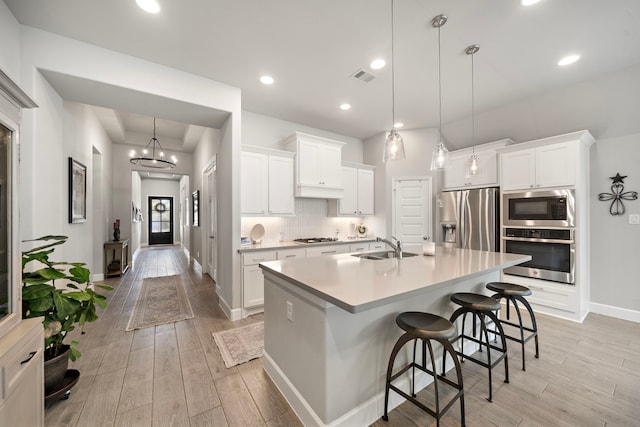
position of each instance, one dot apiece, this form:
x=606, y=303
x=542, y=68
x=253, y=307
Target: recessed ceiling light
x=267, y=80
x=150, y=6
x=345, y=106
x=569, y=59
x=398, y=125
x=377, y=64
x=529, y=2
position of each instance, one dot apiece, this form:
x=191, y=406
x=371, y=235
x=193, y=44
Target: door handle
x=28, y=359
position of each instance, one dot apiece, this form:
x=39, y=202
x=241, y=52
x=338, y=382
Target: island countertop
x=358, y=284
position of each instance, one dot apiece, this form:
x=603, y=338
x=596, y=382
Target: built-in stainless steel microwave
x=551, y=208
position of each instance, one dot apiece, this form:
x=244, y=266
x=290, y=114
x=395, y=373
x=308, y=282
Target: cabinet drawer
x=553, y=296
x=327, y=250
x=253, y=258
x=291, y=254
x=20, y=360
x=359, y=247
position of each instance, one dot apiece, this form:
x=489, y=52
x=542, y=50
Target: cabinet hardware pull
x=290, y=256
x=28, y=359
x=328, y=252
x=258, y=259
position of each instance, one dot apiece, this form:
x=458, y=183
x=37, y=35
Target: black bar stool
x=514, y=293
x=481, y=306
x=426, y=327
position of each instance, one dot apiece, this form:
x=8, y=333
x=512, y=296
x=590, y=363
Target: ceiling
x=312, y=49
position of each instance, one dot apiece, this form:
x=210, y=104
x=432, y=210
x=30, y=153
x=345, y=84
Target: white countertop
x=358, y=284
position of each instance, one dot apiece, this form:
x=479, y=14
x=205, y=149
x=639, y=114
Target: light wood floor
x=587, y=375
x=169, y=375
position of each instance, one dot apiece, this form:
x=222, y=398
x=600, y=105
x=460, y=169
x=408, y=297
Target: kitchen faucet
x=397, y=247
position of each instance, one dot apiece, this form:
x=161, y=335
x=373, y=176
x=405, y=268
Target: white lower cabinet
x=359, y=247
x=327, y=250
x=252, y=279
x=550, y=296
x=291, y=253
x=22, y=375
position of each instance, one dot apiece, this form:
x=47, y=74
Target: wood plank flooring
x=587, y=374
x=168, y=375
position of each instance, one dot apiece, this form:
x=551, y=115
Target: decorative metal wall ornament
x=617, y=195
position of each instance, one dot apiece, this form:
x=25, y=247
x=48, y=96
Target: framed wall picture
x=195, y=211
x=77, y=192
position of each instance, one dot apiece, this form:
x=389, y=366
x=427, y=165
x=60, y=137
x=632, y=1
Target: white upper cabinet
x=358, y=183
x=317, y=166
x=456, y=175
x=266, y=186
x=281, y=200
x=544, y=166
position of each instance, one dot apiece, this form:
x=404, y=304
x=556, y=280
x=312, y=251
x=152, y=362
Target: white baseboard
x=97, y=277
x=232, y=314
x=617, y=312
x=364, y=414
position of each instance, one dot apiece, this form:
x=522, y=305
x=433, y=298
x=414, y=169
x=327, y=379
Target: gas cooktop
x=316, y=240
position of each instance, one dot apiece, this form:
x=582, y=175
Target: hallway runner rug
x=240, y=345
x=161, y=300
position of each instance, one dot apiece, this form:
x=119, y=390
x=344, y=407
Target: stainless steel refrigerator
x=469, y=219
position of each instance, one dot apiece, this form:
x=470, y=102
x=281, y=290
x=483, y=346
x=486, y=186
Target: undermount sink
x=383, y=255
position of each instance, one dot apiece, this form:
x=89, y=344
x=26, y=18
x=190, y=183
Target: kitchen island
x=330, y=324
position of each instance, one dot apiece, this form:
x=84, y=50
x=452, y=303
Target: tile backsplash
x=311, y=220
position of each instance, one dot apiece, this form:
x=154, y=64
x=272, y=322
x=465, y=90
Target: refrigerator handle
x=464, y=201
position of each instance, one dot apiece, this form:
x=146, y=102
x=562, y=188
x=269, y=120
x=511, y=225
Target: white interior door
x=412, y=210
x=211, y=220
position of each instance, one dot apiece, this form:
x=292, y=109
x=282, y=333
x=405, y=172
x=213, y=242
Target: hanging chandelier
x=153, y=155
x=440, y=157
x=393, y=144
x=473, y=166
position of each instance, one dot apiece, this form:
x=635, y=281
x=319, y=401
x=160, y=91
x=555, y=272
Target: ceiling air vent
x=364, y=76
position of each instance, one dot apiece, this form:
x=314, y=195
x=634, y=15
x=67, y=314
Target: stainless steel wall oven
x=552, y=253
x=554, y=208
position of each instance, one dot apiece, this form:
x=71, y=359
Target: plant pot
x=55, y=370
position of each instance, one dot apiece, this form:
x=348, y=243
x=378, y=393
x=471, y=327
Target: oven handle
x=525, y=239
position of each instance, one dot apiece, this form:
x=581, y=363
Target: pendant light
x=157, y=160
x=473, y=166
x=440, y=157
x=393, y=144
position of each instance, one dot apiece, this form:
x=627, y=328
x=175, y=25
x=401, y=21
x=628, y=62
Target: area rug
x=161, y=300
x=240, y=345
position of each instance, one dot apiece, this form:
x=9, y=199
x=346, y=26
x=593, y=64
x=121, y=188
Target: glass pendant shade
x=393, y=147
x=440, y=157
x=473, y=166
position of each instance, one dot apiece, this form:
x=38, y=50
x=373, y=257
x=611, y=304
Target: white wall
x=160, y=188
x=206, y=149
x=615, y=244
x=83, y=136
x=9, y=43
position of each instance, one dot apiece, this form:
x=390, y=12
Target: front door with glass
x=160, y=220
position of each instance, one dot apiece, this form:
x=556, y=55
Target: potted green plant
x=62, y=293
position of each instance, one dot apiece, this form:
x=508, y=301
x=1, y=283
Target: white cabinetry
x=327, y=250
x=546, y=166
x=266, y=182
x=456, y=176
x=559, y=161
x=318, y=165
x=252, y=279
x=21, y=370
x=358, y=183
